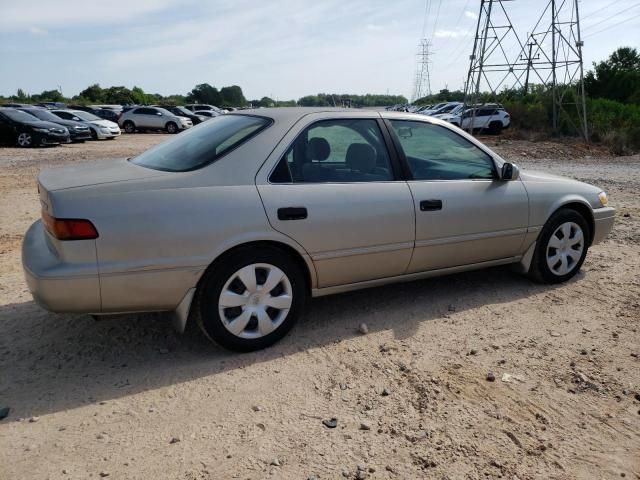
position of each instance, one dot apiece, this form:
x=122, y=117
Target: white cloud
x=471, y=15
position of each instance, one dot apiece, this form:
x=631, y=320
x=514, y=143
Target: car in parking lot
x=100, y=129
x=195, y=117
x=491, y=117
x=78, y=131
x=197, y=107
x=235, y=223
x=153, y=118
x=24, y=130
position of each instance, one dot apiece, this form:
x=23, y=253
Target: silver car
x=153, y=118
x=236, y=222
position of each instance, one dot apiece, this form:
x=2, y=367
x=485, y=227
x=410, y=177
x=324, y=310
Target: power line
x=600, y=9
x=435, y=23
x=611, y=16
x=611, y=26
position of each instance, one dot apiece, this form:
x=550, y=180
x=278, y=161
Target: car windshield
x=43, y=114
x=200, y=146
x=89, y=117
x=18, y=115
x=183, y=110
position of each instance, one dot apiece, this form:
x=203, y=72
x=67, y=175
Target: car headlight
x=43, y=130
x=603, y=199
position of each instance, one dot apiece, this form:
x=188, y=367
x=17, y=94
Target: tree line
x=204, y=93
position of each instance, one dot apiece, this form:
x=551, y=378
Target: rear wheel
x=129, y=126
x=25, y=140
x=251, y=298
x=171, y=127
x=561, y=248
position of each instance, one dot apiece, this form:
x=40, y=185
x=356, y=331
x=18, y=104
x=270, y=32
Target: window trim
x=405, y=163
x=394, y=160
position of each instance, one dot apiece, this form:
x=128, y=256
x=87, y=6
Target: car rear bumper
x=56, y=284
x=603, y=222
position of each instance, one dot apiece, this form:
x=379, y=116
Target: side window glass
x=337, y=151
x=436, y=153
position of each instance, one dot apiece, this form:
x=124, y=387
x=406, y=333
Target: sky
x=283, y=49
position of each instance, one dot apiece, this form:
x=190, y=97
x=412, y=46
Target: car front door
x=464, y=213
x=333, y=186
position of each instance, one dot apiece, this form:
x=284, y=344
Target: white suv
x=486, y=117
x=153, y=118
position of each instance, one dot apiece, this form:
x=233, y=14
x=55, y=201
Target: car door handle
x=430, y=205
x=292, y=213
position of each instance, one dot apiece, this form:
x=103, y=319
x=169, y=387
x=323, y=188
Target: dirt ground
x=126, y=398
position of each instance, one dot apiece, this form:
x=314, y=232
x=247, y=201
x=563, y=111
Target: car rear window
x=202, y=145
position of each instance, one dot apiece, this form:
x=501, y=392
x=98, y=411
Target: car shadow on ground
x=58, y=362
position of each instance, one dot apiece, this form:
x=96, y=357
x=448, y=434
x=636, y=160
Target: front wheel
x=172, y=127
x=251, y=298
x=561, y=248
x=25, y=140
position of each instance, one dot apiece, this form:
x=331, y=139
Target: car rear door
x=333, y=186
x=464, y=213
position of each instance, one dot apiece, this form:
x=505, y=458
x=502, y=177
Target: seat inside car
x=361, y=159
x=317, y=150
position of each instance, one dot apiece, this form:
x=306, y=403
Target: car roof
x=294, y=113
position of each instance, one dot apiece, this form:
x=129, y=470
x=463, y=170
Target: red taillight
x=69, y=228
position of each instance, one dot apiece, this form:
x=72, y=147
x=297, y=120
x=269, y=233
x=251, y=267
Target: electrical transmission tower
x=551, y=56
x=422, y=84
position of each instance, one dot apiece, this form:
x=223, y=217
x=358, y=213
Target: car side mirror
x=510, y=171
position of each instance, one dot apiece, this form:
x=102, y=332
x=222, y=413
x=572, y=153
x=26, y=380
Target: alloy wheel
x=255, y=300
x=24, y=139
x=565, y=248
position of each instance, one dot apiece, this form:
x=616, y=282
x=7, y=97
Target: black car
x=183, y=112
x=78, y=131
x=108, y=114
x=24, y=130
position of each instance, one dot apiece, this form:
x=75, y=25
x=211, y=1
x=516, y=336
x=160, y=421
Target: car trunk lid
x=96, y=173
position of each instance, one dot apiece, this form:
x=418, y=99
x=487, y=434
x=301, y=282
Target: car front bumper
x=603, y=219
x=41, y=138
x=78, y=136
x=113, y=132
x=57, y=283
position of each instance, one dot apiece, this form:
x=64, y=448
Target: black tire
x=495, y=128
x=94, y=134
x=25, y=140
x=205, y=306
x=129, y=126
x=171, y=127
x=540, y=270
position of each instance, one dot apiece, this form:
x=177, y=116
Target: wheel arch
x=303, y=261
x=582, y=207
x=183, y=312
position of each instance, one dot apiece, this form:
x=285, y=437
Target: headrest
x=361, y=157
x=318, y=149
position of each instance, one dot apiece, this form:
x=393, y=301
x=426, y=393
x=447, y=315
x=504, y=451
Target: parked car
x=200, y=107
x=183, y=112
x=446, y=108
x=153, y=118
x=207, y=113
x=108, y=114
x=52, y=105
x=100, y=129
x=490, y=118
x=235, y=223
x=78, y=131
x=24, y=130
